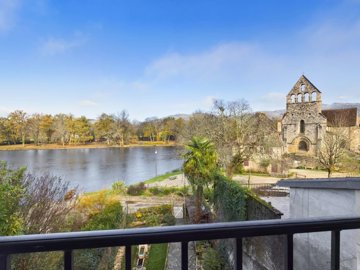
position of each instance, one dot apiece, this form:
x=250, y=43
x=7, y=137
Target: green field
x=162, y=177
x=157, y=257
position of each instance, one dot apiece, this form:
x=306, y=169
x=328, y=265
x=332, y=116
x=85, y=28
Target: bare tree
x=236, y=132
x=48, y=199
x=332, y=149
x=60, y=131
x=122, y=128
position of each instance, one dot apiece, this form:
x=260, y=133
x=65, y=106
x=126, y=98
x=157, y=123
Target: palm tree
x=201, y=163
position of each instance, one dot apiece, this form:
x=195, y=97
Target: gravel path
x=254, y=179
x=174, y=254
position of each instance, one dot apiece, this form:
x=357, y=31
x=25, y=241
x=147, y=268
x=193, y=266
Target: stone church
x=304, y=123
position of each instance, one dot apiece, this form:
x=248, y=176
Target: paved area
x=254, y=179
x=319, y=174
x=174, y=254
x=133, y=203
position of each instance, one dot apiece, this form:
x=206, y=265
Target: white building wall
x=312, y=251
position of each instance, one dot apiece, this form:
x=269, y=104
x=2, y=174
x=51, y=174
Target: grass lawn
x=157, y=257
x=162, y=177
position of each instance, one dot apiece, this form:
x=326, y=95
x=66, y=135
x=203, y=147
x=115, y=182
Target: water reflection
x=94, y=169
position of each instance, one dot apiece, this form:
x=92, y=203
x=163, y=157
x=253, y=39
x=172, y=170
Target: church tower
x=303, y=124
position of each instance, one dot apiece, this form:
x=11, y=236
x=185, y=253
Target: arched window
x=313, y=96
x=302, y=126
x=299, y=98
x=306, y=97
x=303, y=146
x=292, y=98
x=302, y=87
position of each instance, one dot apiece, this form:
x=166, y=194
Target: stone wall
x=266, y=252
x=352, y=135
x=259, y=253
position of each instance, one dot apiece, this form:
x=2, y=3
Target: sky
x=165, y=57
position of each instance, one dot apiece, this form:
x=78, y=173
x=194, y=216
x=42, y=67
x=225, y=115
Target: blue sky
x=163, y=57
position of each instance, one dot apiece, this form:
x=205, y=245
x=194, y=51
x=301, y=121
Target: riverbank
x=20, y=147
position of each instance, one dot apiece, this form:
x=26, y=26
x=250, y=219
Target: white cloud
x=226, y=60
x=8, y=10
x=53, y=46
x=208, y=101
x=4, y=111
x=88, y=103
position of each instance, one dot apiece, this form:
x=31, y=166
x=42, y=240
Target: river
x=95, y=169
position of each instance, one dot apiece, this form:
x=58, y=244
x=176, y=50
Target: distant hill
x=280, y=113
x=341, y=106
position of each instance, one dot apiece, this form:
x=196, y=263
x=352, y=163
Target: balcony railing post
x=335, y=250
x=5, y=262
x=290, y=252
x=68, y=259
x=239, y=253
x=184, y=256
x=128, y=257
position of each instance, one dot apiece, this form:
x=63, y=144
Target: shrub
x=212, y=260
x=161, y=191
x=118, y=187
x=169, y=219
x=136, y=190
x=109, y=218
x=154, y=216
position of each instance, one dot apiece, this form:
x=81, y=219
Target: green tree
x=11, y=193
x=47, y=127
x=105, y=128
x=83, y=131
x=18, y=122
x=6, y=133
x=200, y=166
x=34, y=127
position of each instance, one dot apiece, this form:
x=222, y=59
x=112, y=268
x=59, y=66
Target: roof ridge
x=305, y=78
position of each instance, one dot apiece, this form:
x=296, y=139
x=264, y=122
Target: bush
x=118, y=187
x=155, y=216
x=109, y=218
x=136, y=190
x=212, y=260
x=169, y=219
x=162, y=191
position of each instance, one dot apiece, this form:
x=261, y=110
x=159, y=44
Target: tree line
x=20, y=127
x=236, y=131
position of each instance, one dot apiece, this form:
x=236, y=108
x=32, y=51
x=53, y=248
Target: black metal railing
x=68, y=242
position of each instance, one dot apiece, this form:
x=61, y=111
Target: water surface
x=94, y=169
